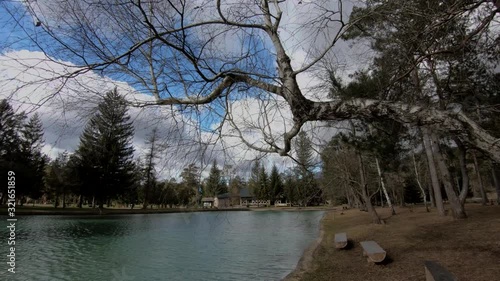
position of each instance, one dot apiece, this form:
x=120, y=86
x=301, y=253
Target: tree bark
x=465, y=128
x=431, y=196
x=389, y=203
x=496, y=180
x=462, y=157
x=349, y=196
x=438, y=198
x=358, y=202
x=457, y=209
x=381, y=199
x=420, y=185
x=364, y=192
x=480, y=180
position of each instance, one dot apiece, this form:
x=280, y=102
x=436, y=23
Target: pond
x=254, y=245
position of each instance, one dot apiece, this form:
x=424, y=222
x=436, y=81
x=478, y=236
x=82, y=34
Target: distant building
x=207, y=202
x=246, y=197
x=226, y=200
x=222, y=200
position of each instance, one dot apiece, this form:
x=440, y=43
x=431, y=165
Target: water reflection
x=189, y=246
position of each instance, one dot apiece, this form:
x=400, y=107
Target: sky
x=29, y=78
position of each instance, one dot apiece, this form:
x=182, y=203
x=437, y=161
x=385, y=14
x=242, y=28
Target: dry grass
x=470, y=248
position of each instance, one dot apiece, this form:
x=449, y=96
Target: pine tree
x=57, y=179
x=10, y=126
x=253, y=181
x=307, y=188
x=149, y=165
x=105, y=151
x=263, y=192
x=130, y=195
x=236, y=185
x=190, y=185
x=33, y=158
x=10, y=138
x=275, y=185
x=21, y=151
x=169, y=193
x=290, y=187
x=215, y=183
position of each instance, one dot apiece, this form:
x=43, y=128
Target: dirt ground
x=469, y=248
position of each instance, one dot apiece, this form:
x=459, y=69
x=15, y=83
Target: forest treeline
x=382, y=163
x=417, y=122
x=103, y=171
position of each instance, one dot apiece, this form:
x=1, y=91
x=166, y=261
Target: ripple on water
x=198, y=246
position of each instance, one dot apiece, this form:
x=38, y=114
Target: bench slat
x=435, y=272
x=373, y=250
x=340, y=240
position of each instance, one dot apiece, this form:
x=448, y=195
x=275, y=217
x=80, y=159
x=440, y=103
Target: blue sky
x=64, y=135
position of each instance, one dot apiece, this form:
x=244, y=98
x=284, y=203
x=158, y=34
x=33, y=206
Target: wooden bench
x=435, y=272
x=373, y=251
x=340, y=240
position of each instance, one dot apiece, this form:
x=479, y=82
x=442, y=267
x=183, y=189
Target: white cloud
x=65, y=105
x=32, y=83
x=35, y=83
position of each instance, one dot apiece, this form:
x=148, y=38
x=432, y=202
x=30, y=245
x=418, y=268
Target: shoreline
x=41, y=211
x=49, y=211
x=305, y=262
x=294, y=209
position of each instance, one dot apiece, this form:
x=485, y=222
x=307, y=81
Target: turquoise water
x=183, y=246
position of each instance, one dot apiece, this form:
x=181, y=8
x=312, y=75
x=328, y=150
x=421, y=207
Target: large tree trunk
x=465, y=128
x=381, y=199
x=438, y=198
x=496, y=180
x=418, y=182
x=348, y=196
x=457, y=209
x=479, y=180
x=462, y=157
x=358, y=202
x=364, y=192
x=431, y=195
x=383, y=187
x=146, y=193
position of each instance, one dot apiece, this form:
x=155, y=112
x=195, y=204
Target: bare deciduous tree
x=178, y=52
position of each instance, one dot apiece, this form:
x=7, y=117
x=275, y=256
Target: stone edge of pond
x=306, y=260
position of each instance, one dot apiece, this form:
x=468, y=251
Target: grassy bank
x=49, y=210
x=469, y=248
